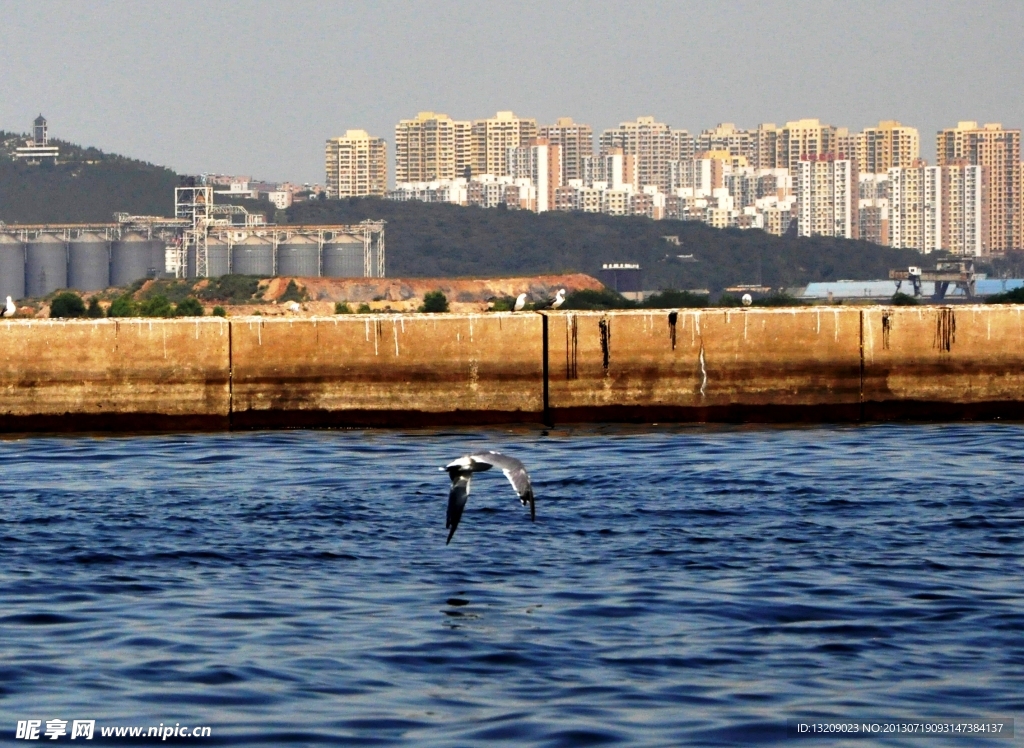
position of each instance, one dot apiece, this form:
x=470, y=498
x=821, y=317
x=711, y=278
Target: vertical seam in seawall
x=231, y=376
x=546, y=415
x=861, y=394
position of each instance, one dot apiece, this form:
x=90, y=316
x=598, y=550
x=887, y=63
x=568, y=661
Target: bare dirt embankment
x=406, y=294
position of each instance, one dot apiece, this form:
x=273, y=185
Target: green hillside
x=447, y=240
x=86, y=186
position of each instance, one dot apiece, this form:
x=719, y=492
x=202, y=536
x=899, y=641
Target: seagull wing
x=457, y=498
x=516, y=473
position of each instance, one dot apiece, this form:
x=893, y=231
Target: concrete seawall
x=806, y=364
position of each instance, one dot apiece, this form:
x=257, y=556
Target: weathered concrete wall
x=741, y=364
x=99, y=373
x=929, y=361
x=387, y=369
x=704, y=364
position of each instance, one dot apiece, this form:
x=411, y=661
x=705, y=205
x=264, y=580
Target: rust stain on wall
x=945, y=329
x=606, y=341
x=571, y=347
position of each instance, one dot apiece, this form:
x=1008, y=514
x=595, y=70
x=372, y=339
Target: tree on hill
x=438, y=240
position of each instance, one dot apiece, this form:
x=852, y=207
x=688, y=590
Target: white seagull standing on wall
x=520, y=303
x=461, y=472
x=10, y=310
x=559, y=299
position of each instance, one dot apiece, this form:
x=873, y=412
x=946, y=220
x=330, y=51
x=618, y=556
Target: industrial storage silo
x=12, y=267
x=157, y=258
x=343, y=257
x=254, y=256
x=46, y=265
x=129, y=259
x=217, y=255
x=88, y=262
x=299, y=257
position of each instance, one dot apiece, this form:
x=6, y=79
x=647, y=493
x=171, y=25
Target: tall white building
x=827, y=197
x=540, y=162
x=964, y=209
x=915, y=208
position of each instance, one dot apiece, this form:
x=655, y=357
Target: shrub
x=603, y=299
x=67, y=304
x=1016, y=296
x=189, y=307
x=364, y=308
x=218, y=311
x=123, y=306
x=292, y=293
x=156, y=306
x=434, y=302
x=95, y=311
x=671, y=299
x=779, y=299
x=340, y=307
x=236, y=288
x=503, y=304
x=729, y=300
x=902, y=299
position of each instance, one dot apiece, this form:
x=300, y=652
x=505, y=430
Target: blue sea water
x=681, y=586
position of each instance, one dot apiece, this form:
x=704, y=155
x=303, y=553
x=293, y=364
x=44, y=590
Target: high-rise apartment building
x=725, y=137
x=356, y=165
x=431, y=147
x=998, y=150
x=493, y=137
x=765, y=146
x=803, y=139
x=964, y=208
x=826, y=194
x=540, y=162
x=889, y=145
x=575, y=142
x=684, y=145
x=915, y=207
x=650, y=142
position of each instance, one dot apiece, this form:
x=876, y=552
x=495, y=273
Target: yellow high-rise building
x=356, y=165
x=576, y=142
x=431, y=147
x=890, y=145
x=653, y=145
x=491, y=139
x=997, y=150
x=803, y=139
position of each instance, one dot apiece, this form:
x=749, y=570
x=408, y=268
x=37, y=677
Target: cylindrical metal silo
x=218, y=258
x=12, y=267
x=254, y=256
x=299, y=257
x=157, y=258
x=88, y=263
x=129, y=259
x=343, y=257
x=46, y=265
x=218, y=253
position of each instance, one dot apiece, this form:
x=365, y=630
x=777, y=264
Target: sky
x=256, y=88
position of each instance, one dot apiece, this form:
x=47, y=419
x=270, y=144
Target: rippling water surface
x=680, y=586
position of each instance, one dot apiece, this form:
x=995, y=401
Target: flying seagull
x=520, y=303
x=10, y=310
x=461, y=472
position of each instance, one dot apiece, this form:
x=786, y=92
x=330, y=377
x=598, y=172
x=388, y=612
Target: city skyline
x=260, y=92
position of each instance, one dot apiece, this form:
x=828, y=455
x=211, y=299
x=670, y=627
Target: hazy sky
x=257, y=87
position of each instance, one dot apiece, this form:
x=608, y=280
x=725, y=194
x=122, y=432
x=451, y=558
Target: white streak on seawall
x=703, y=371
